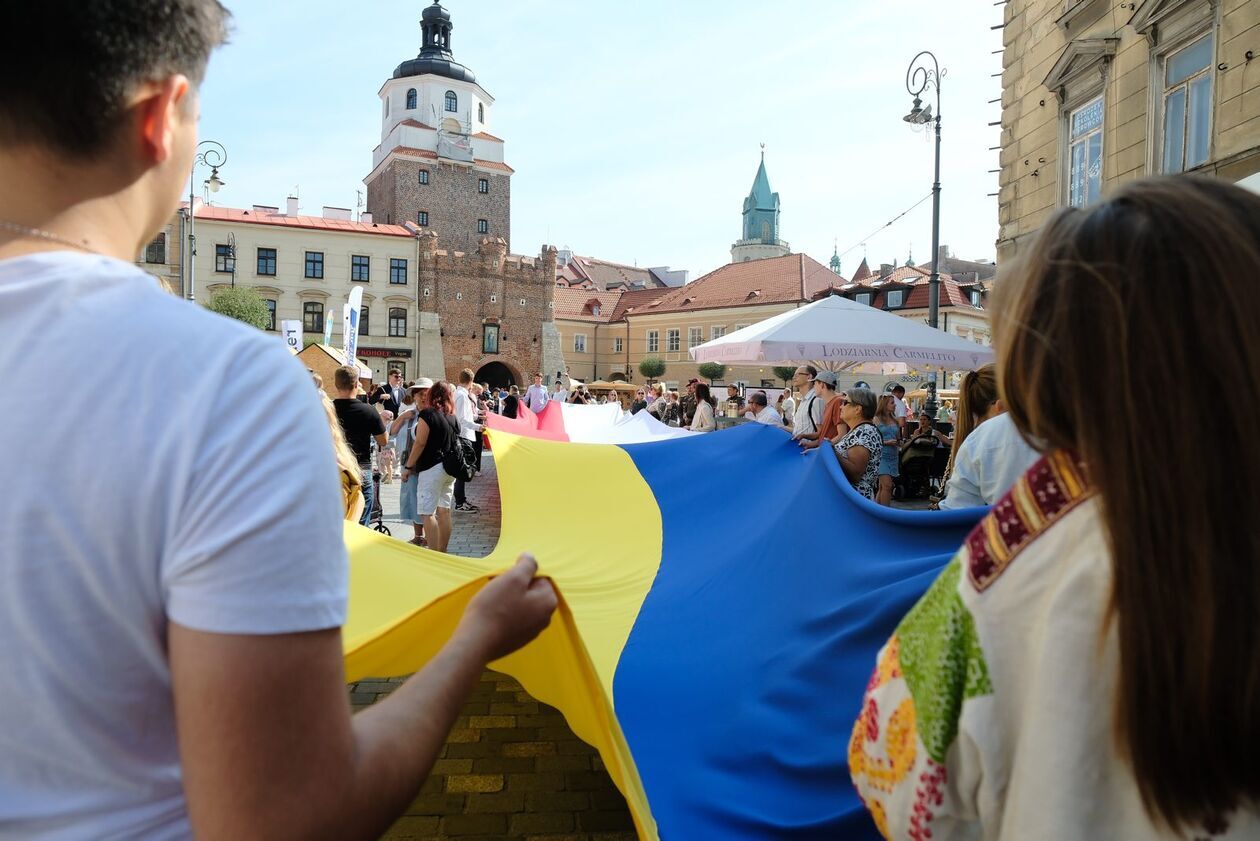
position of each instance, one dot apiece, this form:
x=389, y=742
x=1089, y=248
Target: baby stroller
x=377, y=518
x=915, y=481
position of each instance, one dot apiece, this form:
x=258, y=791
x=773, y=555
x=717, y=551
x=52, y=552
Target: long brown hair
x=440, y=398
x=976, y=394
x=1156, y=285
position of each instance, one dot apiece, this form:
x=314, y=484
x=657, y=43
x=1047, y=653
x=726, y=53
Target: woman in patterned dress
x=1088, y=664
x=861, y=448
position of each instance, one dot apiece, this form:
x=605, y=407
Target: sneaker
x=467, y=506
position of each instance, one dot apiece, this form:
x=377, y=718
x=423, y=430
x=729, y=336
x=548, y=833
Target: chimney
x=265, y=209
x=339, y=214
x=885, y=269
x=366, y=217
x=942, y=254
x=292, y=206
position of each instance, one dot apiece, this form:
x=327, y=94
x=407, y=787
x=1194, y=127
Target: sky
x=635, y=128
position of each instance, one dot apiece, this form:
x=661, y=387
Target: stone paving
x=472, y=535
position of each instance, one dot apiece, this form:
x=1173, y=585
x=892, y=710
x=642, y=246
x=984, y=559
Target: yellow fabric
x=405, y=601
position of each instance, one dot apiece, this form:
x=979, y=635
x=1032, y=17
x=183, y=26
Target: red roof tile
x=636, y=300
x=415, y=124
x=485, y=135
x=577, y=304
x=774, y=280
x=233, y=214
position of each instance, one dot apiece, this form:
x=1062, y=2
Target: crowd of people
x=171, y=655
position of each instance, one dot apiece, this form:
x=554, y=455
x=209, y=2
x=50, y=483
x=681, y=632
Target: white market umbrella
x=844, y=332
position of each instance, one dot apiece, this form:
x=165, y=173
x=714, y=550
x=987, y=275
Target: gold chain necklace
x=39, y=233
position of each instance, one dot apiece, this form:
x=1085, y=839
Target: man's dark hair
x=69, y=67
x=346, y=377
x=899, y=389
x=758, y=398
x=813, y=372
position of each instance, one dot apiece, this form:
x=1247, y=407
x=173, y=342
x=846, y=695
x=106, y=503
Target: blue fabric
x=742, y=677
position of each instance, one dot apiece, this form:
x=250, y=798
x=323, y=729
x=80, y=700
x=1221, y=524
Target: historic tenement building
x=1099, y=92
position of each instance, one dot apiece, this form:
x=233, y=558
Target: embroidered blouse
x=989, y=714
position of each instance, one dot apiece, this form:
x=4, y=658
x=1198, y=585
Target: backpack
x=460, y=460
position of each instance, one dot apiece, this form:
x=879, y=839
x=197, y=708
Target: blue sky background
x=634, y=128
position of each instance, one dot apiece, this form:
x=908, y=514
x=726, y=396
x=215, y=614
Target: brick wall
x=470, y=290
x=511, y=769
x=451, y=199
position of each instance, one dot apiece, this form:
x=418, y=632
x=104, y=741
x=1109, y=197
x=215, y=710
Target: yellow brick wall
x=1029, y=184
x=511, y=770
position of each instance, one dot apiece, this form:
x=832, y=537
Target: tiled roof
x=915, y=279
x=774, y=280
x=413, y=152
x=577, y=304
x=485, y=135
x=233, y=214
x=415, y=124
x=636, y=300
x=862, y=273
x=605, y=273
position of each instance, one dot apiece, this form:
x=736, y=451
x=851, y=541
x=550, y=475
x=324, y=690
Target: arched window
x=397, y=321
x=411, y=99
x=452, y=102
x=481, y=112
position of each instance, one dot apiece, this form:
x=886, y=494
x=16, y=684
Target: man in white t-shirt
x=170, y=644
x=559, y=393
x=469, y=426
x=901, y=411
x=809, y=406
x=760, y=411
x=992, y=459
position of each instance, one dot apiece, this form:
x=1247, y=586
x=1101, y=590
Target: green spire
x=835, y=258
x=761, y=208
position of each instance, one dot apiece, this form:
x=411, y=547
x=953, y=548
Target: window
x=1187, y=106
x=863, y=298
x=694, y=336
x=224, y=259
x=271, y=313
x=490, y=338
x=397, y=321
x=894, y=298
x=267, y=265
x=360, y=267
x=483, y=185
x=411, y=99
x=315, y=264
x=424, y=176
x=156, y=251
x=617, y=345
x=363, y=321
x=452, y=102
x=422, y=218
x=397, y=270
x=522, y=302
x=483, y=226
x=313, y=317
x=740, y=326
x=716, y=332
x=976, y=298
x=579, y=343
x=481, y=112
x=653, y=341
x=494, y=299
x=672, y=340
x=1085, y=138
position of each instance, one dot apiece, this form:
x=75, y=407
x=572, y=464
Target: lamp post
x=231, y=255
x=213, y=156
x=919, y=77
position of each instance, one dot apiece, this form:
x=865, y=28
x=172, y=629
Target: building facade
x=1099, y=92
x=437, y=165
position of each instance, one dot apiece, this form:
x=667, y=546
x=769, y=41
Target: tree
x=785, y=372
x=712, y=371
x=651, y=367
x=243, y=305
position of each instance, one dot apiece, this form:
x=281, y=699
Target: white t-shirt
x=900, y=409
x=165, y=489
x=988, y=463
x=767, y=416
x=466, y=414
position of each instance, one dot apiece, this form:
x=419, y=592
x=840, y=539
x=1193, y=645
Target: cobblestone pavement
x=472, y=535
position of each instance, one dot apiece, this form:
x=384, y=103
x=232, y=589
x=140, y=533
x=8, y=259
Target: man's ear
x=162, y=108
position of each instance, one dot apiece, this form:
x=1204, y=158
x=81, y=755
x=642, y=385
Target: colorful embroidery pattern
x=941, y=660
x=1048, y=491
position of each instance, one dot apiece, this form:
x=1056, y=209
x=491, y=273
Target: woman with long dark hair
x=1088, y=665
x=436, y=431
x=703, y=420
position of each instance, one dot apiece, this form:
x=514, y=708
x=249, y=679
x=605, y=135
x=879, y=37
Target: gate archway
x=497, y=375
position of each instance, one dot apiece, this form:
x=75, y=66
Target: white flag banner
x=328, y=325
x=350, y=323
x=292, y=332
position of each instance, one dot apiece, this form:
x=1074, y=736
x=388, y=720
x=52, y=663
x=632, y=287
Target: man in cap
x=824, y=383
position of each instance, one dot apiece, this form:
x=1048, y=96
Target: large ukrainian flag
x=722, y=600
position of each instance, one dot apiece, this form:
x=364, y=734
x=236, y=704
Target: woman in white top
x=1088, y=665
x=703, y=420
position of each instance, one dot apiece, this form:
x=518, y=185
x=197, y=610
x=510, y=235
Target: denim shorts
x=407, y=499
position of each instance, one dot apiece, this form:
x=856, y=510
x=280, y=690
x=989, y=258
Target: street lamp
x=919, y=77
x=231, y=254
x=213, y=156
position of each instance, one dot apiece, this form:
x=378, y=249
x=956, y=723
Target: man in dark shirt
x=391, y=393
x=732, y=393
x=689, y=403
x=361, y=423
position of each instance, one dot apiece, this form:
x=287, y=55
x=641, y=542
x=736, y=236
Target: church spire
x=761, y=220
x=835, y=257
